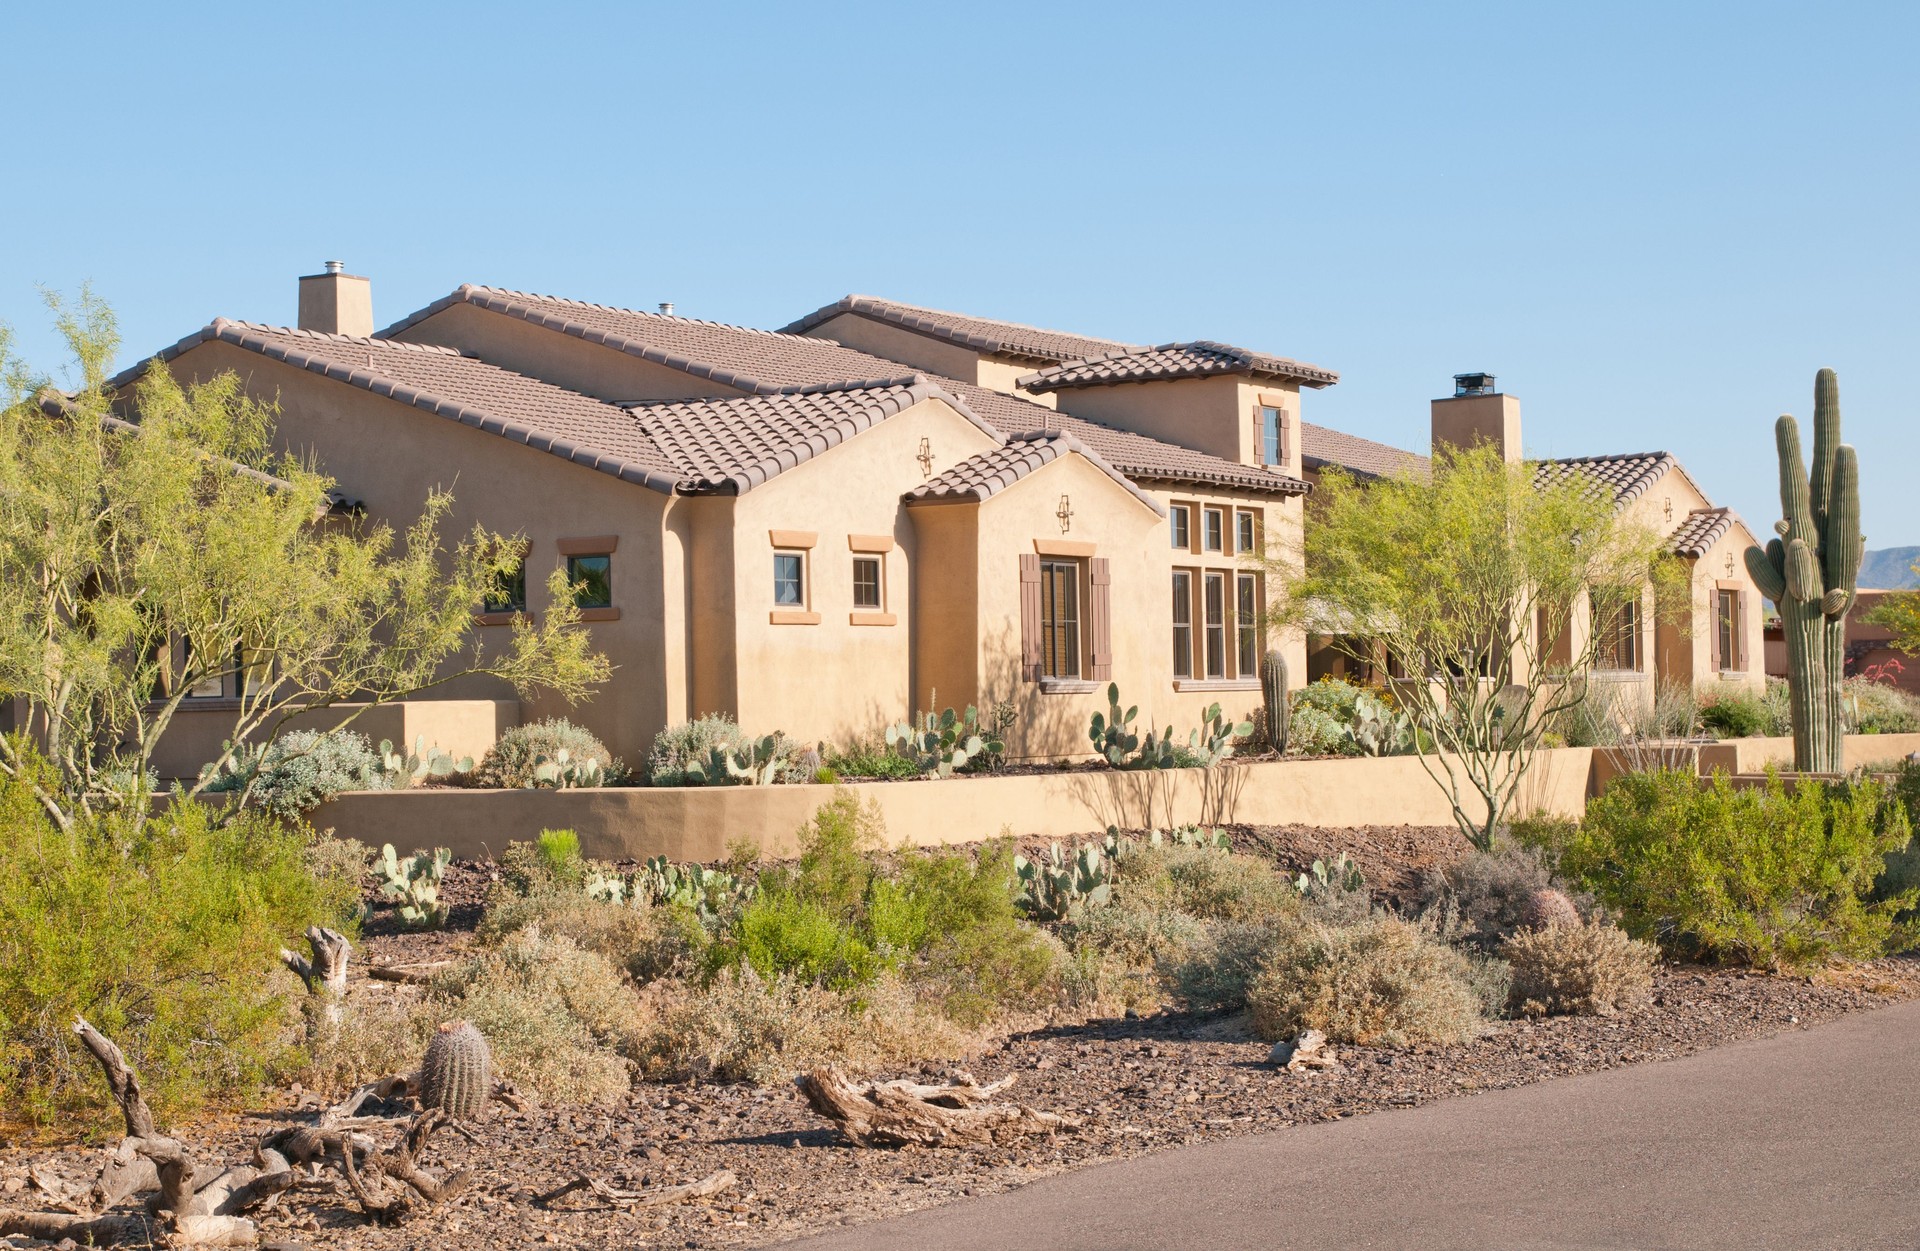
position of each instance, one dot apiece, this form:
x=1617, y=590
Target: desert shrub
x=869, y=758
x=689, y=743
x=303, y=768
x=1742, y=715
x=1328, y=712
x=1380, y=981
x=1482, y=897
x=1871, y=707
x=1766, y=876
x=165, y=935
x=1902, y=870
x=562, y=1020
x=510, y=762
x=1209, y=883
x=1334, y=892
x=1588, y=968
x=1212, y=972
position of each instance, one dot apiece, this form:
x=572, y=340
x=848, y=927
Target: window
x=1216, y=624
x=866, y=582
x=1246, y=536
x=1060, y=618
x=1726, y=629
x=1214, y=520
x=1273, y=424
x=1182, y=624
x=790, y=579
x=1178, y=520
x=212, y=686
x=1246, y=620
x=509, y=592
x=592, y=578
x=1616, y=631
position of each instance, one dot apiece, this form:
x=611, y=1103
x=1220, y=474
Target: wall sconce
x=1730, y=563
x=925, y=457
x=1666, y=507
x=1065, y=514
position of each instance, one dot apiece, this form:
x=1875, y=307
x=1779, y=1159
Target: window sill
x=1067, y=686
x=872, y=619
x=501, y=618
x=1216, y=684
x=599, y=614
x=1733, y=675
x=788, y=616
x=202, y=703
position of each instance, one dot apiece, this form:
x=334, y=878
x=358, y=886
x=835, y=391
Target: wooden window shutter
x=1099, y=621
x=1029, y=617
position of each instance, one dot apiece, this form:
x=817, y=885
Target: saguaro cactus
x=1811, y=571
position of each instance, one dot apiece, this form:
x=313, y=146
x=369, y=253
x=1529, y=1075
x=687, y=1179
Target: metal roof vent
x=336, y=267
x=666, y=308
x=1474, y=384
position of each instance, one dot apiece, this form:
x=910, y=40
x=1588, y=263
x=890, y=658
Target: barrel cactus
x=457, y=1075
x=1811, y=571
x=1279, y=707
x=1547, y=906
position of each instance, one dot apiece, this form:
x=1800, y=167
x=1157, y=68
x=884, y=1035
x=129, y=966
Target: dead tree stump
x=909, y=1114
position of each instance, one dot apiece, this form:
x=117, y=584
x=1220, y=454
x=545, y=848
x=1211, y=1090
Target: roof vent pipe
x=666, y=308
x=336, y=267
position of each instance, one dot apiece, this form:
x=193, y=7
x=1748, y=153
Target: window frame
x=1213, y=529
x=1183, y=623
x=1213, y=622
x=1246, y=531
x=575, y=562
x=879, y=582
x=1726, y=629
x=800, y=580
x=1273, y=434
x=517, y=583
x=1062, y=650
x=1180, y=526
x=1246, y=623
x=1616, y=630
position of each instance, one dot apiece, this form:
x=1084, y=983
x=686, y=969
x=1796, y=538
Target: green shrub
x=303, y=768
x=511, y=761
x=1764, y=876
x=1380, y=981
x=1204, y=882
x=1871, y=707
x=165, y=935
x=1743, y=715
x=870, y=758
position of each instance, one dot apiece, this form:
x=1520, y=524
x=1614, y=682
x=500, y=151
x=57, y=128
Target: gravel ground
x=1139, y=1085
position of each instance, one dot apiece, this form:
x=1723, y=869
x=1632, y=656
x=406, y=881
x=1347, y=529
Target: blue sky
x=1653, y=222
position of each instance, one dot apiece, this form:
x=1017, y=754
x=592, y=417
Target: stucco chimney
x=1477, y=413
x=336, y=302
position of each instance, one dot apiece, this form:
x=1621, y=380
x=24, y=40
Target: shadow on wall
x=1148, y=799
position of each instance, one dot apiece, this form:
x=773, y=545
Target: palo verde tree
x=1469, y=581
x=143, y=559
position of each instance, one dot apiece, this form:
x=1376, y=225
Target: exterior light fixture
x=925, y=457
x=1065, y=514
x=1666, y=508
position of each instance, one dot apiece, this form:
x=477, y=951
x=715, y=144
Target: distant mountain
x=1890, y=567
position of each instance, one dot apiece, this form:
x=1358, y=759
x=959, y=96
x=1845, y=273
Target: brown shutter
x=1100, y=621
x=1029, y=618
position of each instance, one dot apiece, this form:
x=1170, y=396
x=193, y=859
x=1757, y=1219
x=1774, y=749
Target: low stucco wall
x=459, y=727
x=1753, y=755
x=700, y=823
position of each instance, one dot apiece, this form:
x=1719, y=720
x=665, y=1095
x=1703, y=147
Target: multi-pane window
x=1616, y=631
x=790, y=579
x=592, y=579
x=1182, y=624
x=1726, y=628
x=1180, y=521
x=509, y=593
x=1273, y=422
x=1214, y=592
x=1246, y=621
x=1246, y=536
x=1060, y=618
x=866, y=582
x=1214, y=532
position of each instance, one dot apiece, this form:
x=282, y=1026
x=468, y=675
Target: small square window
x=509, y=592
x=790, y=579
x=592, y=578
x=1245, y=533
x=1179, y=519
x=866, y=582
x=1214, y=521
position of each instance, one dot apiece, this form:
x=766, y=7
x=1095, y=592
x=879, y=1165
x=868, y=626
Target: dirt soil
x=1139, y=1085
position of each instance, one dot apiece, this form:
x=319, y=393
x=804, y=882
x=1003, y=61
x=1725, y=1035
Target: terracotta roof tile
x=981, y=477
x=1364, y=458
x=1198, y=359
x=1628, y=475
x=765, y=362
x=1702, y=528
x=983, y=334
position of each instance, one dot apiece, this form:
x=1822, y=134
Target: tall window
x=866, y=582
x=1179, y=521
x=790, y=579
x=1214, y=538
x=1245, y=533
x=1616, y=631
x=1246, y=621
x=509, y=592
x=592, y=578
x=1060, y=618
x=1182, y=624
x=1215, y=593
x=1726, y=628
x=1273, y=421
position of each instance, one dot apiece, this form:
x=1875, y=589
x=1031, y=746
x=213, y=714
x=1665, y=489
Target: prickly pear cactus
x=1546, y=907
x=1279, y=707
x=457, y=1075
x=1811, y=571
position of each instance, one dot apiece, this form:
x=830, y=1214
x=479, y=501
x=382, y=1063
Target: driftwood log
x=909, y=1114
x=386, y=1205
x=651, y=1197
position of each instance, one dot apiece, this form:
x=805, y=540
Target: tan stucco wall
x=459, y=727
x=702, y=824
x=1216, y=415
x=1754, y=755
x=938, y=356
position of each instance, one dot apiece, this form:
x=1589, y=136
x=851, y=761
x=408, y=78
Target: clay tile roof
x=1199, y=359
x=980, y=478
x=1702, y=528
x=1364, y=458
x=983, y=334
x=1628, y=475
x=732, y=446
x=765, y=362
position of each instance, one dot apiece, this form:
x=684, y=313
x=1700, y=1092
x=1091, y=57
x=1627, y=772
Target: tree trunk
x=907, y=1114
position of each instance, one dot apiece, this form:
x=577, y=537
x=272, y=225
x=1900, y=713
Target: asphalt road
x=1804, y=1140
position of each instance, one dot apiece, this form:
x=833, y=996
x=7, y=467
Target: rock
x=1304, y=1054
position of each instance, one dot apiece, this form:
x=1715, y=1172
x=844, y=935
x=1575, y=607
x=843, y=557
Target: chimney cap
x=666, y=308
x=336, y=267
x=1474, y=384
